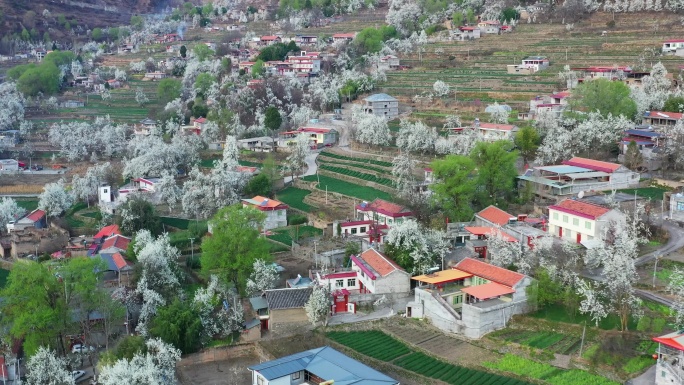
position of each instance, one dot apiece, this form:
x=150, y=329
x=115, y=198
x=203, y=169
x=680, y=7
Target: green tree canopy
x=129, y=346
x=370, y=39
x=277, y=51
x=258, y=69
x=234, y=244
x=496, y=171
x=674, y=104
x=203, y=82
x=455, y=186
x=527, y=141
x=272, y=119
x=202, y=52
x=97, y=34
x=183, y=51
x=605, y=96
x=180, y=325
x=168, y=90
x=258, y=185
x=138, y=214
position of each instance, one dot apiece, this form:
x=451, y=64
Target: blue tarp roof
x=644, y=133
x=326, y=363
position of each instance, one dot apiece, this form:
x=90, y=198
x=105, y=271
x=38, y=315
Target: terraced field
x=550, y=341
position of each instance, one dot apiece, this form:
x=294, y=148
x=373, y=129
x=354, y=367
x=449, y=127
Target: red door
x=341, y=304
x=560, y=232
x=579, y=237
x=264, y=324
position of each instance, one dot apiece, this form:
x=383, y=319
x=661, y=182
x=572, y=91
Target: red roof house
x=490, y=272
x=378, y=274
x=383, y=212
x=107, y=232
x=592, y=164
x=494, y=216
x=276, y=211
x=115, y=243
x=580, y=221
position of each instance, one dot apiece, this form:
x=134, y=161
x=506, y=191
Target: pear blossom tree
x=85, y=187
x=502, y=250
x=402, y=171
x=441, y=88
x=414, y=247
x=569, y=77
x=498, y=113
x=264, y=277
x=169, y=192
x=654, y=90
x=155, y=367
x=12, y=104
x=137, y=67
x=55, y=199
x=373, y=130
x=416, y=137
x=78, y=140
x=318, y=306
x=208, y=303
x=9, y=211
x=676, y=288
x=299, y=151
x=404, y=15
x=46, y=368
x=140, y=97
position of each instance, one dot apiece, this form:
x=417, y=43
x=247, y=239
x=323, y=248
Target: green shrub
x=658, y=325
x=644, y=324
x=296, y=220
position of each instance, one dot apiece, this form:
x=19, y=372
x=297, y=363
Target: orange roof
x=263, y=203
x=117, y=241
x=581, y=209
x=108, y=231
x=379, y=262
x=497, y=126
x=271, y=37
x=488, y=290
x=442, y=276
x=495, y=215
x=386, y=208
x=490, y=232
x=36, y=215
x=119, y=261
x=592, y=164
x=489, y=272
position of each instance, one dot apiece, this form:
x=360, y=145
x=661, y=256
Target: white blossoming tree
x=318, y=306
x=676, y=288
x=498, y=113
x=169, y=192
x=208, y=303
x=46, y=368
x=140, y=97
x=85, y=187
x=55, y=199
x=414, y=247
x=264, y=277
x=11, y=106
x=502, y=250
x=416, y=137
x=441, y=88
x=155, y=367
x=9, y=211
x=299, y=151
x=402, y=171
x=372, y=130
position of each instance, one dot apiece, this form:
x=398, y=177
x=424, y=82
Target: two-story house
x=382, y=212
x=529, y=65
x=343, y=37
x=323, y=366
x=490, y=26
x=473, y=298
x=670, y=362
x=276, y=211
x=381, y=105
x=491, y=132
x=580, y=221
x=378, y=274
x=661, y=118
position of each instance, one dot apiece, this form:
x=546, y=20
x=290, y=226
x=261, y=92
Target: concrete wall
x=286, y=316
x=480, y=321
x=395, y=282
x=436, y=312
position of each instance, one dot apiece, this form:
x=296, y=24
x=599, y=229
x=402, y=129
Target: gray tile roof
x=380, y=98
x=326, y=363
x=258, y=303
x=287, y=298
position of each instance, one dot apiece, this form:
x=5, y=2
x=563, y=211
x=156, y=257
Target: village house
x=343, y=37
x=578, y=175
x=155, y=75
x=491, y=132
x=258, y=144
x=145, y=126
x=381, y=105
x=106, y=232
x=276, y=211
x=118, y=271
x=647, y=141
x=661, y=118
x=378, y=274
x=579, y=221
x=259, y=307
x=554, y=103
x=604, y=72
x=303, y=63
x=515, y=228
x=465, y=33
x=139, y=185
x=382, y=212
x=388, y=63
x=36, y=219
x=317, y=366
x=116, y=243
x=306, y=39
x=473, y=298
x=286, y=306
x=72, y=104
x=673, y=47
x=265, y=41
x=529, y=65
x=35, y=241
x=113, y=83
x=319, y=137
x=490, y=27
x=670, y=358
x=9, y=165
x=9, y=138
x=368, y=231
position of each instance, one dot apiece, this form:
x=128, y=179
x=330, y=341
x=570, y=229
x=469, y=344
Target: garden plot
x=550, y=341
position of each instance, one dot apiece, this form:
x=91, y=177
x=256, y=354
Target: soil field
x=226, y=372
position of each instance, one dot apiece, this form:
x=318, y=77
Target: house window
x=353, y=230
x=458, y=299
x=363, y=229
x=555, y=216
x=339, y=283
x=106, y=191
x=565, y=218
x=296, y=375
x=260, y=380
x=351, y=282
x=575, y=221
x=587, y=225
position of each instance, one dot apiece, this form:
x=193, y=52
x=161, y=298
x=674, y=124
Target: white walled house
x=491, y=132
x=276, y=211
x=579, y=221
x=378, y=274
x=382, y=212
x=670, y=47
x=670, y=361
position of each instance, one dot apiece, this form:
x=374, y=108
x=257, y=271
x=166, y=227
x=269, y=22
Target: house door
x=579, y=237
x=340, y=304
x=264, y=324
x=408, y=312
x=560, y=232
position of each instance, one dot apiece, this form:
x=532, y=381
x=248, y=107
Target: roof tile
x=382, y=264
x=288, y=298
x=117, y=241
x=495, y=215
x=490, y=272
x=592, y=164
x=584, y=209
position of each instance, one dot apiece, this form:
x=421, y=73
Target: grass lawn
x=294, y=197
x=558, y=313
x=179, y=223
x=3, y=277
x=28, y=204
x=653, y=193
x=283, y=236
x=347, y=188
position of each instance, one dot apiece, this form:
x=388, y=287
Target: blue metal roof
x=644, y=133
x=563, y=169
x=326, y=363
x=108, y=260
x=258, y=303
x=380, y=98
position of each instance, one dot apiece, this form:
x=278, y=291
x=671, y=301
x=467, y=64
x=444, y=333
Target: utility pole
x=584, y=331
x=192, y=249
x=655, y=267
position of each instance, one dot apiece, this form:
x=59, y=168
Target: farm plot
x=294, y=197
x=358, y=174
x=347, y=188
x=453, y=374
x=286, y=235
x=356, y=159
x=372, y=343
x=551, y=341
x=524, y=367
x=365, y=166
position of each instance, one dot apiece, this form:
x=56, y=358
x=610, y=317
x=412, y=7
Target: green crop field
x=330, y=161
x=452, y=374
x=284, y=236
x=358, y=174
x=27, y=204
x=551, y=341
x=372, y=343
x=294, y=197
x=347, y=188
x=653, y=193
x=532, y=369
x=356, y=159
